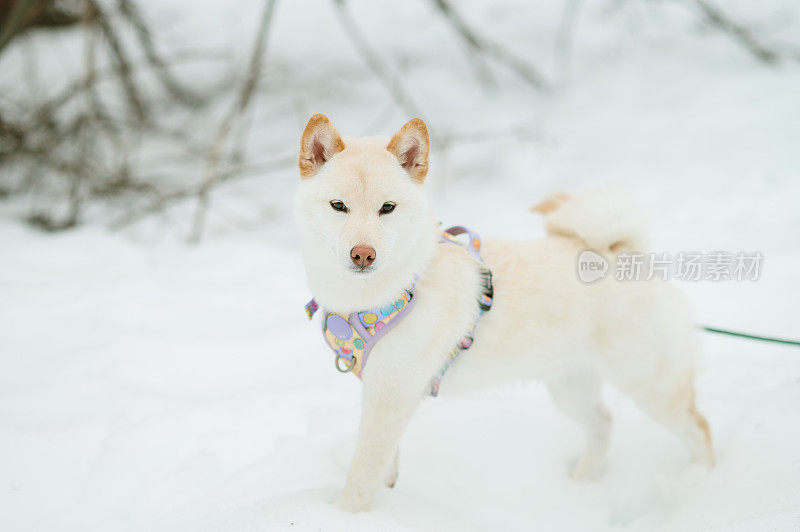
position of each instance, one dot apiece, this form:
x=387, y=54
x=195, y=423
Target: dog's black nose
x=362, y=255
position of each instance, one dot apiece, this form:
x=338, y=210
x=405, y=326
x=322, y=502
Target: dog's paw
x=354, y=502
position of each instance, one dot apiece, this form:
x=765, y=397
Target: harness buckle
x=347, y=369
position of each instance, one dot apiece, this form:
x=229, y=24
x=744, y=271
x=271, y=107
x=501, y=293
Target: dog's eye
x=387, y=207
x=339, y=206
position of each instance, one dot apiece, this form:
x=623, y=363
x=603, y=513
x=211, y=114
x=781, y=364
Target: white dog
x=369, y=234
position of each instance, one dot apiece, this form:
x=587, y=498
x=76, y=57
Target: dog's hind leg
x=675, y=409
x=578, y=393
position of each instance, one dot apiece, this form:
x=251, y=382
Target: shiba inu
x=368, y=234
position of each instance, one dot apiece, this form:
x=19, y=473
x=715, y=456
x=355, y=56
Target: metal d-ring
x=347, y=369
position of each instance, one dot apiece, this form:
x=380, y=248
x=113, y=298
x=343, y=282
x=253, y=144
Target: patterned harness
x=352, y=337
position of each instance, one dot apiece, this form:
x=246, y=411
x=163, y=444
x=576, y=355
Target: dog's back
x=549, y=323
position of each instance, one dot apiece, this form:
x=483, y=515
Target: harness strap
x=474, y=244
x=352, y=337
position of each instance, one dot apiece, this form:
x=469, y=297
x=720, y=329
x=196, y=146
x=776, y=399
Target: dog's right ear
x=320, y=142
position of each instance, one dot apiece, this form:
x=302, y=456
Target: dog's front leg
x=387, y=409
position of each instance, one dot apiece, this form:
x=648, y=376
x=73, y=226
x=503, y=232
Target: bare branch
x=77, y=87
x=564, y=38
x=130, y=11
x=17, y=16
x=16, y=20
x=737, y=32
x=499, y=53
x=164, y=200
x=392, y=82
x=472, y=42
x=240, y=105
x=119, y=55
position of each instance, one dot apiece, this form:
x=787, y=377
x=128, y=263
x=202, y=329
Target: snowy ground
x=150, y=385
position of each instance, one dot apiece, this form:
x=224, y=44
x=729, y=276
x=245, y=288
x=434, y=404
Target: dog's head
x=364, y=217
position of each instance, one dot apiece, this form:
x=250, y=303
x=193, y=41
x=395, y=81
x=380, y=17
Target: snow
x=146, y=384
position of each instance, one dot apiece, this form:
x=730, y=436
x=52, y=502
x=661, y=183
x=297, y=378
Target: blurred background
x=156, y=368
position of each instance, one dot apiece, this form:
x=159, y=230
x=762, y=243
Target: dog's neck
x=341, y=291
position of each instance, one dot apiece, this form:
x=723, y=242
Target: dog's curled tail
x=605, y=219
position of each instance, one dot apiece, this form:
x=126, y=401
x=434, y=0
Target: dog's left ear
x=411, y=146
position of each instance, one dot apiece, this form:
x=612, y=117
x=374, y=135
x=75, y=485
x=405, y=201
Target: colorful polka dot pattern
x=345, y=339
x=339, y=327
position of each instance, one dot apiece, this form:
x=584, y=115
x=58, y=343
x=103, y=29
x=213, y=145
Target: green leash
x=752, y=336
